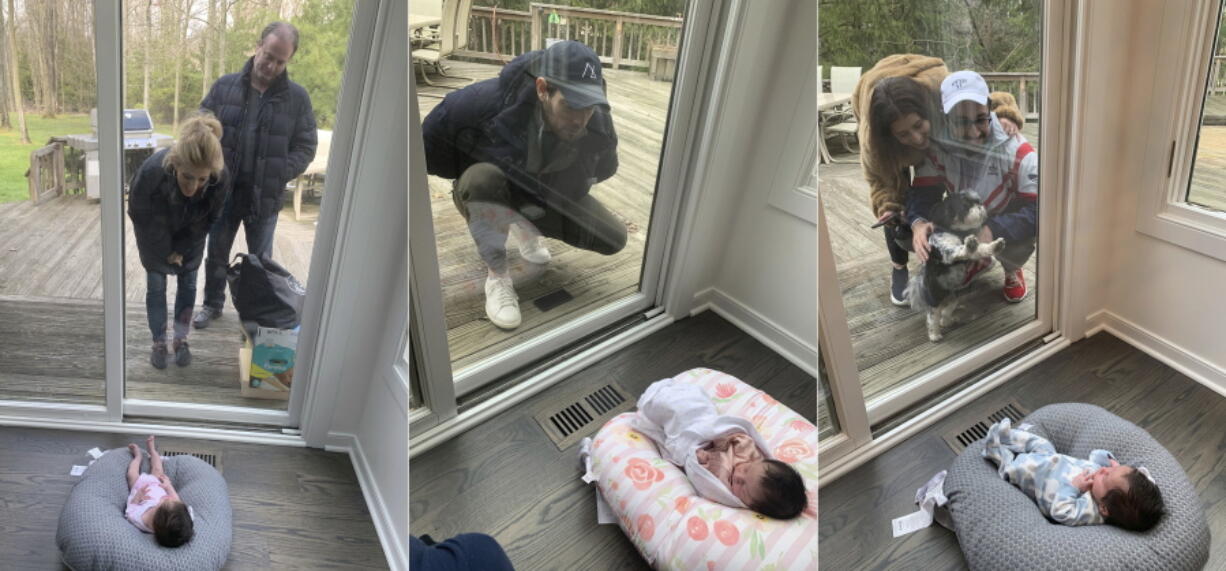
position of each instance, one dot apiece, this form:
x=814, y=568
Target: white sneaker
x=501, y=302
x=531, y=245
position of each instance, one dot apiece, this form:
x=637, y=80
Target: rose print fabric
x=672, y=526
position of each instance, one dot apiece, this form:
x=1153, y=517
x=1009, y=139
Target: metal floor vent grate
x=959, y=440
x=213, y=460
x=576, y=415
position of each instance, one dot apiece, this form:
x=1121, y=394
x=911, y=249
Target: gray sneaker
x=183, y=355
x=898, y=287
x=158, y=357
x=204, y=316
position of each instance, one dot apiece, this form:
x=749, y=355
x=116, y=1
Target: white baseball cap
x=964, y=85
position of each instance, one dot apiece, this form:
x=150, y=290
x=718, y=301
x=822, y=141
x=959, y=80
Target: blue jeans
x=221, y=240
x=155, y=304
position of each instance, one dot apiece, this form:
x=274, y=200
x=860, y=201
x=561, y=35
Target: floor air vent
x=958, y=440
x=576, y=415
x=213, y=460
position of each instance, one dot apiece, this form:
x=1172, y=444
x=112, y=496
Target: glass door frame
x=313, y=391
x=702, y=26
x=1060, y=29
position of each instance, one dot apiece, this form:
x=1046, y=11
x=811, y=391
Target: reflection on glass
x=227, y=128
x=1208, y=185
x=934, y=236
x=543, y=146
x=827, y=422
x=51, y=321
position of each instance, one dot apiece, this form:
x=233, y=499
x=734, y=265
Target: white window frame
x=1188, y=33
x=370, y=20
x=790, y=191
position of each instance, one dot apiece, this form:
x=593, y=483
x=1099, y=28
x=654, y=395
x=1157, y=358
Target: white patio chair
x=453, y=35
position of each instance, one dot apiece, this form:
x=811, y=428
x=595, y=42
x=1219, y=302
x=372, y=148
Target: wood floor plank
x=506, y=478
x=294, y=508
x=1184, y=416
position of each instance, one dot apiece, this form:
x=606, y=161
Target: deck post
x=617, y=45
x=1022, y=98
x=536, y=26
x=34, y=179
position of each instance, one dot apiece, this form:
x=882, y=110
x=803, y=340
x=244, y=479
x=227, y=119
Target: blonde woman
x=175, y=197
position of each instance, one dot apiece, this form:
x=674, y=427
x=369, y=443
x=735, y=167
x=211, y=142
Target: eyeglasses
x=962, y=122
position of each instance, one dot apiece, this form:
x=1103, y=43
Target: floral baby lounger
x=672, y=526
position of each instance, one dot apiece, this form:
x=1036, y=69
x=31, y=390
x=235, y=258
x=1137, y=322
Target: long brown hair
x=894, y=98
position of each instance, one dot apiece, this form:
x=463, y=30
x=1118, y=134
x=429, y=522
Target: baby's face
x=1110, y=478
x=747, y=480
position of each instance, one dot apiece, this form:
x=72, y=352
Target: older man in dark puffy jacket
x=269, y=139
x=524, y=150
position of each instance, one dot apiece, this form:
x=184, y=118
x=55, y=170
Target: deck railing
x=1217, y=83
x=1024, y=85
x=620, y=39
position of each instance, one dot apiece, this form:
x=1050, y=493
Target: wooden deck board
x=639, y=110
x=51, y=325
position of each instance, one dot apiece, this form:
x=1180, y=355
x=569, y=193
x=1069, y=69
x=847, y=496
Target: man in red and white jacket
x=976, y=154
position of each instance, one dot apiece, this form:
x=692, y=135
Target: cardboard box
x=266, y=369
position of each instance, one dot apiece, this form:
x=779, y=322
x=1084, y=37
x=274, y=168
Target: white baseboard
x=759, y=327
x=397, y=557
x=1178, y=358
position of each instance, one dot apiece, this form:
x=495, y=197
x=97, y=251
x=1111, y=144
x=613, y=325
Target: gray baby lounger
x=93, y=533
x=999, y=526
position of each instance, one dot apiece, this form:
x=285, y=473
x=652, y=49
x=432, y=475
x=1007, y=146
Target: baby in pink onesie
x=153, y=504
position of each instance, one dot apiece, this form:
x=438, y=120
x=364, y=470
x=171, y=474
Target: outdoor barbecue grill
x=139, y=142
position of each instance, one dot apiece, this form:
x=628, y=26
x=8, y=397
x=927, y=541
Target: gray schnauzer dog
x=955, y=252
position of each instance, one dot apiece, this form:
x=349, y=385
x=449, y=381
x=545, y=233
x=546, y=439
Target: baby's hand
x=1083, y=481
x=141, y=495
x=702, y=456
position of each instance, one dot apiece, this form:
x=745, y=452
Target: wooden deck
x=891, y=343
x=51, y=324
x=640, y=108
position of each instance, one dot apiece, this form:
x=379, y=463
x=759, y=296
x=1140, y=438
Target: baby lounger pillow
x=93, y=533
x=673, y=527
x=1000, y=527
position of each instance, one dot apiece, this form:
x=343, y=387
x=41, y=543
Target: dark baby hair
x=894, y=98
x=1139, y=508
x=172, y=525
x=782, y=494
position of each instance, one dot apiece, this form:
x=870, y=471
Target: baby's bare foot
x=149, y=444
x=134, y=449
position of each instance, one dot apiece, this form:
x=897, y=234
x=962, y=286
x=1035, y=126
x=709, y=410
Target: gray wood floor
x=294, y=508
x=1184, y=416
x=639, y=107
x=51, y=310
x=507, y=479
x=890, y=342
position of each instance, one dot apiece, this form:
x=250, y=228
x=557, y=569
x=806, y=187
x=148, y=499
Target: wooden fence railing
x=46, y=175
x=1024, y=85
x=620, y=39
x=1217, y=83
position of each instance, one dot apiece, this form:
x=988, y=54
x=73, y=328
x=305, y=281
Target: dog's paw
x=972, y=242
x=997, y=245
x=935, y=337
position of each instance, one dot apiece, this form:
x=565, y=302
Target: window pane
x=182, y=56
x=541, y=200
x=919, y=151
x=1208, y=185
x=51, y=322
x=827, y=422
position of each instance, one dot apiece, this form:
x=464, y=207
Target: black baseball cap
x=575, y=69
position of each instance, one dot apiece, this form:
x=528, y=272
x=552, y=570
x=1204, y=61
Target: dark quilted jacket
x=489, y=122
x=286, y=137
x=166, y=222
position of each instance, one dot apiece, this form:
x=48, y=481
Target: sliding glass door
x=543, y=234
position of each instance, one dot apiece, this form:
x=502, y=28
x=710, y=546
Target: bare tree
x=181, y=53
x=14, y=80
x=148, y=62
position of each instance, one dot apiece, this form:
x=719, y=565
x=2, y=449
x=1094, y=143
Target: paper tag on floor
x=911, y=522
x=604, y=513
x=95, y=452
x=77, y=470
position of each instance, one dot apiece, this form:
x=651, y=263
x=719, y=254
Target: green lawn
x=15, y=157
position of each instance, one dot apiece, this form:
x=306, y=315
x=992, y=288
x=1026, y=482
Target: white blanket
x=680, y=418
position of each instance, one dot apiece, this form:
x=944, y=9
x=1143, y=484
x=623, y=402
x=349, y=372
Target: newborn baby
x=1070, y=490
x=153, y=504
x=723, y=456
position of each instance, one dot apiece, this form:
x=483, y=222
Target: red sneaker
x=978, y=268
x=1015, y=286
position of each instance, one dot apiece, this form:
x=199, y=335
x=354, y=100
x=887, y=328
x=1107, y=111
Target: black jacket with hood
x=166, y=222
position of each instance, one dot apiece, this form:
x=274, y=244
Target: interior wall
x=1171, y=294
x=759, y=256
